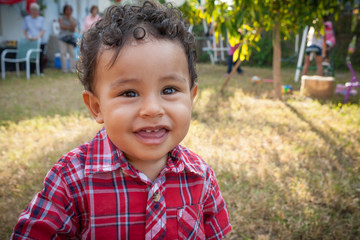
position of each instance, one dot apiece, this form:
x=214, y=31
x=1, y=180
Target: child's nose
x=151, y=107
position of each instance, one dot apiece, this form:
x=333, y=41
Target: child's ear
x=92, y=102
x=194, y=91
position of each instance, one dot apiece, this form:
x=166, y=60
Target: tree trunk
x=277, y=61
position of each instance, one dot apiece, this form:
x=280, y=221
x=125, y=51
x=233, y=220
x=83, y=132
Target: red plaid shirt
x=93, y=193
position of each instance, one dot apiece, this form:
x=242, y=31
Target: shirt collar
x=104, y=156
x=182, y=158
x=101, y=155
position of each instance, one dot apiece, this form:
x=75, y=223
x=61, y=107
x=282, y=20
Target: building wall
x=11, y=22
x=11, y=19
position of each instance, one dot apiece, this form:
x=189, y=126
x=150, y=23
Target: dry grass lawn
x=287, y=169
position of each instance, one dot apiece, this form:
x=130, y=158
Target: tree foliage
x=283, y=17
x=259, y=15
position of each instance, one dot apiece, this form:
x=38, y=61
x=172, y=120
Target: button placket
x=156, y=211
x=156, y=197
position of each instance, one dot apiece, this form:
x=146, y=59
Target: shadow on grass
x=338, y=99
x=265, y=209
x=338, y=151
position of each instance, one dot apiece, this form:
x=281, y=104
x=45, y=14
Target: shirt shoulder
x=192, y=161
x=88, y=157
x=71, y=166
x=84, y=154
x=27, y=19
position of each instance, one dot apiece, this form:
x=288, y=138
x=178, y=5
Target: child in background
x=133, y=180
x=316, y=44
x=329, y=36
x=230, y=60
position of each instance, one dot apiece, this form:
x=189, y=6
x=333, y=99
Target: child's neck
x=151, y=169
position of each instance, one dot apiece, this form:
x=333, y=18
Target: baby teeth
x=149, y=131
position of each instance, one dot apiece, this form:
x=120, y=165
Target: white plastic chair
x=27, y=51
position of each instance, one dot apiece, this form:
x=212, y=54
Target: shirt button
x=123, y=171
x=156, y=197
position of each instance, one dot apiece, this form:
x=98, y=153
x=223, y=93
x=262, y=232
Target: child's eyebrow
x=120, y=82
x=176, y=77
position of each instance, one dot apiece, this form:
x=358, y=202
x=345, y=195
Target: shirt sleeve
x=216, y=216
x=25, y=26
x=50, y=215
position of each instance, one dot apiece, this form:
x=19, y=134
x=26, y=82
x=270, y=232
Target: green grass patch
x=53, y=94
x=287, y=169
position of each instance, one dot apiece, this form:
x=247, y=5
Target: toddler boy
x=133, y=180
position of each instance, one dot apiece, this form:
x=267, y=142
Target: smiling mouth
x=152, y=135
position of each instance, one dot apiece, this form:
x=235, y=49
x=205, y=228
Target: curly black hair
x=123, y=24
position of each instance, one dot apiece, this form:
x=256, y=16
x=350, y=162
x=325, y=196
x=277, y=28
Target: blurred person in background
x=67, y=40
x=34, y=29
x=92, y=18
x=316, y=45
x=330, y=40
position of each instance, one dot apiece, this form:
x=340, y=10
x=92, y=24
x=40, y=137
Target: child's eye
x=129, y=93
x=169, y=90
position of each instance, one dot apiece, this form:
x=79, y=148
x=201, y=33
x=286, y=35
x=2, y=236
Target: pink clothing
x=329, y=34
x=89, y=21
x=233, y=48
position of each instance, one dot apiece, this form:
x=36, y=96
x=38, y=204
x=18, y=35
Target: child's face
x=144, y=99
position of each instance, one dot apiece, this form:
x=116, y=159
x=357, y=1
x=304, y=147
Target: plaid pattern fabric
x=93, y=193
